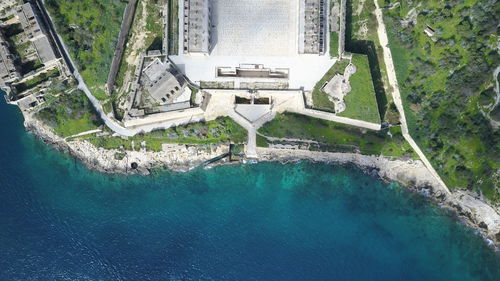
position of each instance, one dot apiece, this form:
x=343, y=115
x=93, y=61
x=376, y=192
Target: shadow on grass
x=155, y=45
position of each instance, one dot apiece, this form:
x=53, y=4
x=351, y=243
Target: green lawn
x=334, y=44
x=361, y=101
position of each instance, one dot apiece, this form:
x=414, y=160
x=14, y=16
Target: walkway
x=495, y=123
x=84, y=133
x=343, y=120
x=396, y=95
x=251, y=148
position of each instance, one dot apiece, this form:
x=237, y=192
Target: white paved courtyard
x=264, y=32
x=255, y=27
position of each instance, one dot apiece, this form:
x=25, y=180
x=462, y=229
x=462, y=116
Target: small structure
x=252, y=71
x=160, y=89
x=253, y=107
x=430, y=32
x=338, y=87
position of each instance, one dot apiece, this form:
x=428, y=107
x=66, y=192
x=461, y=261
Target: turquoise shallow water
x=59, y=221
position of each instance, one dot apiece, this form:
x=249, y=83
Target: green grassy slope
x=442, y=81
x=90, y=29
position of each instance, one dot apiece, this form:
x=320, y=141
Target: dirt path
x=396, y=95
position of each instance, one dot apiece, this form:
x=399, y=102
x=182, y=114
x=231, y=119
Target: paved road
x=496, y=124
x=384, y=41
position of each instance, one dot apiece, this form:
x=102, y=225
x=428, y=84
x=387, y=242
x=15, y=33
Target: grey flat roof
x=28, y=10
x=4, y=72
x=198, y=33
x=4, y=69
x=165, y=87
x=313, y=33
x=44, y=49
x=161, y=84
x=174, y=106
x=154, y=69
x=29, y=21
x=7, y=68
x=255, y=28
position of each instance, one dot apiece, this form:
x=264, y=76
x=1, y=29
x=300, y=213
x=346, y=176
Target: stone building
x=197, y=26
x=8, y=70
x=161, y=83
x=35, y=32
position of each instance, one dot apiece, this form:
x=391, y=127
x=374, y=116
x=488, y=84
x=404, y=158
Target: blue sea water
x=60, y=221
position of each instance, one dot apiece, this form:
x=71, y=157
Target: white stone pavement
x=251, y=147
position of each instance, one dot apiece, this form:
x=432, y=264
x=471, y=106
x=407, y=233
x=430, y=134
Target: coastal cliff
x=475, y=212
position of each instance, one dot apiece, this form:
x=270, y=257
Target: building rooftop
x=154, y=69
x=160, y=82
x=312, y=26
x=197, y=14
x=44, y=49
x=8, y=71
x=34, y=31
x=29, y=21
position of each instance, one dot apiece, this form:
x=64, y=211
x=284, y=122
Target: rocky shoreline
x=475, y=212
